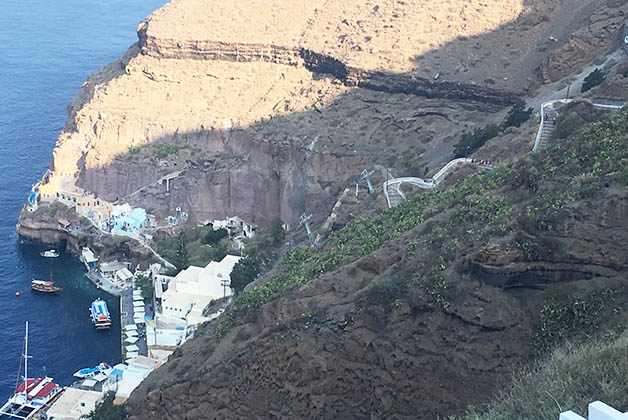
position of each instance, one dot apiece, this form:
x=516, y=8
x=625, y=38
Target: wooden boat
x=44, y=286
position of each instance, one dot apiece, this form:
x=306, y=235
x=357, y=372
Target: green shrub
x=517, y=115
x=595, y=78
x=470, y=142
x=577, y=315
x=244, y=272
x=134, y=149
x=164, y=150
x=214, y=236
x=146, y=286
x=566, y=126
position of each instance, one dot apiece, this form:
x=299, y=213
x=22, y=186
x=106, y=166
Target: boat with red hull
x=32, y=395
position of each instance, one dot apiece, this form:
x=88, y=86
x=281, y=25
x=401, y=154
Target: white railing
x=419, y=182
x=597, y=411
x=540, y=132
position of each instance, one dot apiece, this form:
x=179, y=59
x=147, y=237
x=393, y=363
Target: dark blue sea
x=47, y=50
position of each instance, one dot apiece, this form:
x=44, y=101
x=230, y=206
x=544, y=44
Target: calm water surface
x=48, y=49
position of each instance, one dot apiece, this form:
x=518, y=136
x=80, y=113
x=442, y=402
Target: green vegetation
x=470, y=142
x=480, y=207
x=244, y=272
x=517, y=115
x=595, y=78
x=133, y=150
x=146, y=286
x=106, y=410
x=567, y=125
x=276, y=232
x=189, y=248
x=561, y=320
x=182, y=256
x=164, y=150
x=214, y=236
x=570, y=379
x=386, y=292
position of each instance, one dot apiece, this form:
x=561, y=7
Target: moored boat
x=33, y=395
x=103, y=368
x=51, y=253
x=100, y=314
x=44, y=286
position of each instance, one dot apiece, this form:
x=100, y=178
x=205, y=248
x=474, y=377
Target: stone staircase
x=395, y=196
x=547, y=127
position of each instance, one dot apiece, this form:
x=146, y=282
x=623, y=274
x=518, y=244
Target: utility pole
x=304, y=220
x=224, y=283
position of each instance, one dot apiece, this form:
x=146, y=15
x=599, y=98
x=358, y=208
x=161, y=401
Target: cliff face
x=272, y=113
x=428, y=307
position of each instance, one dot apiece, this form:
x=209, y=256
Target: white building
x=192, y=289
x=134, y=374
x=72, y=404
x=123, y=276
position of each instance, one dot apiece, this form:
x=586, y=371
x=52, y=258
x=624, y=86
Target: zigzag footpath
x=395, y=196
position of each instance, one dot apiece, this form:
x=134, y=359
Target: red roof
x=32, y=383
x=47, y=389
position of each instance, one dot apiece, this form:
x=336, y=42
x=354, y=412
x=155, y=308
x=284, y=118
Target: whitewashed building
x=73, y=403
x=192, y=289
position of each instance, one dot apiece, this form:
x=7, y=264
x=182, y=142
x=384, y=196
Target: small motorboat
x=103, y=368
x=51, y=253
x=100, y=315
x=44, y=286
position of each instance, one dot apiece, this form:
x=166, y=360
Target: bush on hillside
x=244, y=272
x=214, y=236
x=470, y=142
x=517, y=115
x=595, y=78
x=566, y=126
x=146, y=286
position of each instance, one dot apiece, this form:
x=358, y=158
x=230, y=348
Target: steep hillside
x=270, y=112
x=424, y=308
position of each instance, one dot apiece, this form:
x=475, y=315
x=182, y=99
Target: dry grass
x=570, y=379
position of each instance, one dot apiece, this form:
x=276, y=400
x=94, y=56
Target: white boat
x=103, y=368
x=100, y=314
x=33, y=395
x=51, y=253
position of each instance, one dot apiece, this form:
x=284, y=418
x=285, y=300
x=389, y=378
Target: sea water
x=47, y=50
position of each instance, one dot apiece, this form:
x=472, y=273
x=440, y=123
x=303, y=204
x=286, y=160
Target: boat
x=32, y=395
x=103, y=368
x=51, y=253
x=44, y=286
x=100, y=314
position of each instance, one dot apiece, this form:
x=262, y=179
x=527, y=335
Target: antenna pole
x=26, y=363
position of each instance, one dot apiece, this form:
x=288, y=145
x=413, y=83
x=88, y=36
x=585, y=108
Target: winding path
x=392, y=187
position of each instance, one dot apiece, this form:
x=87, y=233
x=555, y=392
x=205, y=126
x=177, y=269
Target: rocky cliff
x=423, y=309
x=270, y=114
x=266, y=109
